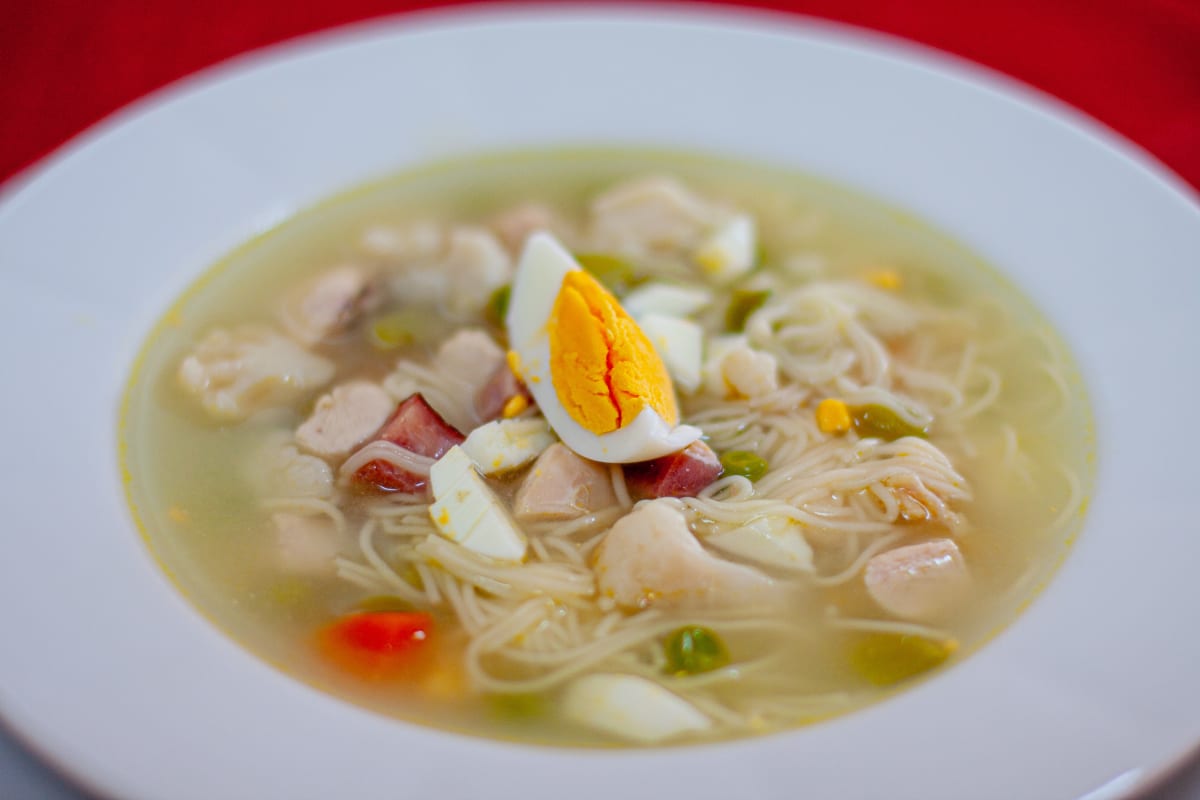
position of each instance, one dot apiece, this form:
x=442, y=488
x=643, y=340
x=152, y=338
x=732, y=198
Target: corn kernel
x=833, y=416
x=887, y=279
x=515, y=405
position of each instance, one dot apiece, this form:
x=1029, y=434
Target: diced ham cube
x=681, y=474
x=415, y=427
x=499, y=391
x=563, y=485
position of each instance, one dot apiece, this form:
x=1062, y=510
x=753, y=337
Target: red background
x=1132, y=64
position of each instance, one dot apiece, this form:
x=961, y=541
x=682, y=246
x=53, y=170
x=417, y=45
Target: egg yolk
x=604, y=369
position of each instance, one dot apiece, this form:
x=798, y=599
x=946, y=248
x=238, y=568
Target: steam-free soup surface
x=595, y=448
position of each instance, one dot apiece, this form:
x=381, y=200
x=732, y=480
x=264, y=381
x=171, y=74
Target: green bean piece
x=886, y=659
x=880, y=422
x=497, y=307
x=694, y=649
x=615, y=273
x=742, y=304
x=744, y=463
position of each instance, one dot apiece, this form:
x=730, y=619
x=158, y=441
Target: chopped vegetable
x=880, y=422
x=617, y=274
x=833, y=416
x=886, y=659
x=742, y=304
x=693, y=650
x=497, y=307
x=379, y=645
x=744, y=463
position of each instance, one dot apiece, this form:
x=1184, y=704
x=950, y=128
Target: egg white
x=543, y=266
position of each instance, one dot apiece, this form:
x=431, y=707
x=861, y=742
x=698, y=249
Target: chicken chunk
x=515, y=225
x=307, y=543
x=749, y=372
x=236, y=373
x=650, y=214
x=277, y=469
x=328, y=304
x=563, y=485
x=469, y=357
x=651, y=558
x=478, y=265
x=923, y=582
x=344, y=419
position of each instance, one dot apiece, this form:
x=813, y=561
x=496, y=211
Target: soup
x=606, y=448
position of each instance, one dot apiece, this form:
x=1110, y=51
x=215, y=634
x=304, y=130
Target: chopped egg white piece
x=728, y=252
x=663, y=298
x=772, y=541
x=679, y=343
x=633, y=708
x=506, y=444
x=466, y=510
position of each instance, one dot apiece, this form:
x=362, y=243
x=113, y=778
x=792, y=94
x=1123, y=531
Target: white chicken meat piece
x=344, y=419
x=327, y=304
x=563, y=485
x=307, y=543
x=477, y=265
x=649, y=557
x=631, y=707
x=418, y=241
x=923, y=582
x=650, y=214
x=514, y=225
x=278, y=469
x=236, y=373
x=470, y=357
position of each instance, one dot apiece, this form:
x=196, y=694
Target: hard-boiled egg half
x=594, y=373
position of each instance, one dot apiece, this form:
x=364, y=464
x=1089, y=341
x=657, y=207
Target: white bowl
x=108, y=672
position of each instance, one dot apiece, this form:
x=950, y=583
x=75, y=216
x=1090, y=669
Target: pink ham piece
x=499, y=390
x=415, y=427
x=682, y=474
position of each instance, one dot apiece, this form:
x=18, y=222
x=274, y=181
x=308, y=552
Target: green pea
x=886, y=659
x=742, y=304
x=497, y=307
x=744, y=463
x=693, y=650
x=617, y=274
x=880, y=422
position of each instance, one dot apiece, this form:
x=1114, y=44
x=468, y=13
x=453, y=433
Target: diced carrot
x=379, y=645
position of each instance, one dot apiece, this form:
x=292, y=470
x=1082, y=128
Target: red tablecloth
x=1132, y=64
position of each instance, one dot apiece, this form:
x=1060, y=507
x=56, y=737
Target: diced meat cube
x=500, y=394
x=649, y=557
x=414, y=427
x=307, y=543
x=328, y=304
x=681, y=474
x=923, y=582
x=344, y=419
x=563, y=485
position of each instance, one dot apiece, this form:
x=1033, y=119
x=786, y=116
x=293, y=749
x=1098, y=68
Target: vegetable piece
x=923, y=581
x=880, y=422
x=379, y=645
x=679, y=343
x=742, y=304
x=632, y=708
x=415, y=427
x=497, y=306
x=833, y=416
x=886, y=659
x=615, y=273
x=663, y=298
x=744, y=463
x=468, y=512
x=504, y=445
x=681, y=474
x=729, y=251
x=694, y=649
x=773, y=541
